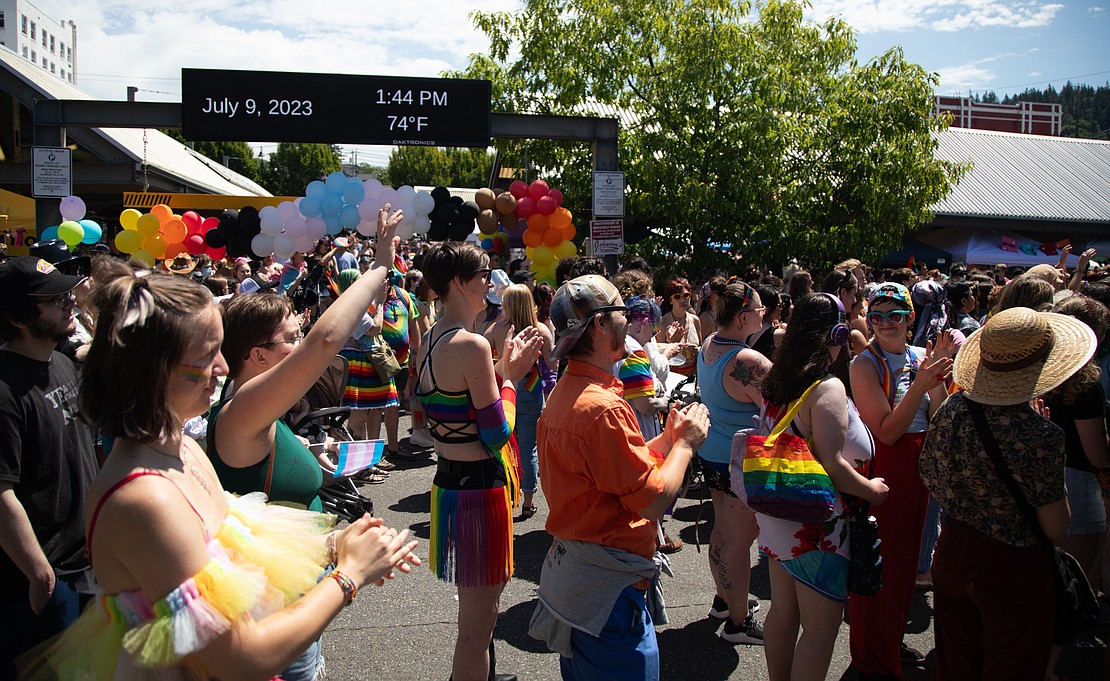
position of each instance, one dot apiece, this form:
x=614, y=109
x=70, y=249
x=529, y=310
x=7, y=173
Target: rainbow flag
x=358, y=455
x=912, y=264
x=635, y=373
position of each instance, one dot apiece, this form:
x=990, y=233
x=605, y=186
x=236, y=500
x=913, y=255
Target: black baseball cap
x=31, y=276
x=522, y=276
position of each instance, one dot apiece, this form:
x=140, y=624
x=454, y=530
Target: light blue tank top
x=726, y=415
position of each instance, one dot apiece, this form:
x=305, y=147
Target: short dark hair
x=17, y=309
x=249, y=321
x=444, y=262
x=586, y=266
x=146, y=323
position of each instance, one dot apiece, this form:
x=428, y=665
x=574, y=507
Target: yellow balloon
x=566, y=249
x=129, y=241
x=145, y=257
x=128, y=218
x=543, y=255
x=155, y=245
x=148, y=225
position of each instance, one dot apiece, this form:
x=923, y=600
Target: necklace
x=187, y=463
x=717, y=339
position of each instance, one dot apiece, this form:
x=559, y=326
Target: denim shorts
x=1088, y=513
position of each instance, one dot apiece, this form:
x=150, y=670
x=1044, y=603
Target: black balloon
x=469, y=210
x=438, y=231
x=214, y=239
x=441, y=194
x=239, y=245
x=460, y=230
x=249, y=222
x=448, y=213
x=229, y=213
x=228, y=227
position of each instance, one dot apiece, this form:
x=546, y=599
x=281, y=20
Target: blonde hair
x=519, y=307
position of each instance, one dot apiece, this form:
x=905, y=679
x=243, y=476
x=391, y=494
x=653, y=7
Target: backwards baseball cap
x=891, y=290
x=576, y=303
x=30, y=276
x=340, y=242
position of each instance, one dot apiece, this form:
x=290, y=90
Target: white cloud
x=1033, y=74
x=1096, y=11
x=958, y=80
x=870, y=16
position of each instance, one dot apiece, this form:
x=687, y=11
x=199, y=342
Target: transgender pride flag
x=358, y=455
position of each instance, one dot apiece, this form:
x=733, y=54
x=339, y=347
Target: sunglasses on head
x=896, y=316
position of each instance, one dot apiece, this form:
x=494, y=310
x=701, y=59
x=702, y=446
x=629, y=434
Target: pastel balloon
x=373, y=188
x=49, y=234
x=388, y=195
x=295, y=227
x=174, y=231
x=148, y=225
x=316, y=228
x=566, y=249
x=262, y=245
x=155, y=245
x=128, y=218
x=484, y=197
x=129, y=241
x=525, y=207
x=284, y=246
x=538, y=189
x=315, y=190
x=406, y=193
x=335, y=183
x=72, y=208
x=518, y=189
x=304, y=243
x=310, y=207
x=349, y=217
x=162, y=212
x=423, y=203
x=287, y=209
x=331, y=204
x=505, y=204
x=354, y=193
x=546, y=205
x=71, y=232
x=93, y=232
x=271, y=223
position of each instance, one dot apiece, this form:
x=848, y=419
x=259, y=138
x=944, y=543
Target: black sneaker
x=719, y=609
x=750, y=632
x=911, y=655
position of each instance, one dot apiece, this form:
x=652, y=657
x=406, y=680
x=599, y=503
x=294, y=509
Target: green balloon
x=71, y=232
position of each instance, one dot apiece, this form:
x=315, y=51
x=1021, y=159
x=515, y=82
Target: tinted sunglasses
x=895, y=316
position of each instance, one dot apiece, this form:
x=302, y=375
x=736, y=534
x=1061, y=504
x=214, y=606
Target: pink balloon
x=518, y=189
x=194, y=243
x=546, y=205
x=209, y=223
x=557, y=195
x=538, y=189
x=192, y=222
x=525, y=207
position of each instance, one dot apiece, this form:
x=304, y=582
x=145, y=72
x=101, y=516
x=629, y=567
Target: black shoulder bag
x=1076, y=605
x=865, y=560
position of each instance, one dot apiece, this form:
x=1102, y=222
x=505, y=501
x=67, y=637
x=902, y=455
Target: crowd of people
x=133, y=398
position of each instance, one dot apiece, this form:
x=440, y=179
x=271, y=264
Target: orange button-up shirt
x=597, y=473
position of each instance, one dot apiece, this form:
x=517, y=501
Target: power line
x=1054, y=80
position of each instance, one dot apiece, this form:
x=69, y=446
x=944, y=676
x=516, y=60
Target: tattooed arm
x=742, y=383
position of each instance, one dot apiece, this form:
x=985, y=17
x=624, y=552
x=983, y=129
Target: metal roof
x=163, y=153
x=1027, y=177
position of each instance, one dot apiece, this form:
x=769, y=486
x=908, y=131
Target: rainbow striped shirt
x=398, y=311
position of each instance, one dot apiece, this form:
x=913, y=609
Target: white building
x=49, y=44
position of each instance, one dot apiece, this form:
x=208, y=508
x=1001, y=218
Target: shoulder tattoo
x=748, y=372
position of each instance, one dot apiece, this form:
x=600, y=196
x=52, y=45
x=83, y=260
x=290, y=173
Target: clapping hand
x=937, y=366
x=521, y=352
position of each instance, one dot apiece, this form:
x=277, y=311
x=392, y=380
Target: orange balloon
x=569, y=232
x=174, y=231
x=162, y=212
x=560, y=218
x=155, y=245
x=538, y=222
x=532, y=238
x=174, y=250
x=553, y=237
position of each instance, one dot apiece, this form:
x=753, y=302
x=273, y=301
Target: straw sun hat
x=1020, y=354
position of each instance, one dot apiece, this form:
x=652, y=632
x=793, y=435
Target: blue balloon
x=315, y=190
x=354, y=192
x=92, y=231
x=310, y=206
x=331, y=204
x=349, y=217
x=49, y=233
x=336, y=182
x=332, y=221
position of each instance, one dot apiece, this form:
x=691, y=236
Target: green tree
x=434, y=166
x=237, y=156
x=293, y=166
x=761, y=131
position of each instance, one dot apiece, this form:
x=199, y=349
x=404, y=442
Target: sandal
x=376, y=470
x=370, y=477
x=527, y=512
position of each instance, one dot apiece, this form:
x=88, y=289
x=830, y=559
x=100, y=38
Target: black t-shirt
x=46, y=453
x=1090, y=404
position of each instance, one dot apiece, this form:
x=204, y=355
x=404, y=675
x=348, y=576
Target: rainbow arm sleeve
x=497, y=420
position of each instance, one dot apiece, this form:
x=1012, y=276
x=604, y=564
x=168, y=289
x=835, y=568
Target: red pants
x=879, y=621
x=993, y=606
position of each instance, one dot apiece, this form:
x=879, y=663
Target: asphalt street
x=406, y=629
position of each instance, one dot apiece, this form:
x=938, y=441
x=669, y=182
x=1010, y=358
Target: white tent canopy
x=984, y=247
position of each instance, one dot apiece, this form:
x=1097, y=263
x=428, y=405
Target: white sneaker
x=421, y=438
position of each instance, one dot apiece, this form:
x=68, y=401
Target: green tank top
x=297, y=475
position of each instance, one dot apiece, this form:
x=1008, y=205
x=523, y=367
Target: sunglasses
x=293, y=340
x=895, y=316
x=681, y=296
x=483, y=273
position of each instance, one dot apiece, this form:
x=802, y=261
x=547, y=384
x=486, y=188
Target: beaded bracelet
x=347, y=584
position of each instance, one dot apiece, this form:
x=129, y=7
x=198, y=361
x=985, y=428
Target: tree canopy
x=742, y=124
x=293, y=166
x=439, y=167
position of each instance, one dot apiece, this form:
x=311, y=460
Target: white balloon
x=271, y=223
x=390, y=196
x=295, y=228
x=373, y=188
x=423, y=203
x=423, y=224
x=72, y=208
x=316, y=228
x=405, y=231
x=406, y=193
x=368, y=209
x=407, y=211
x=287, y=209
x=304, y=243
x=262, y=245
x=283, y=246
x=266, y=210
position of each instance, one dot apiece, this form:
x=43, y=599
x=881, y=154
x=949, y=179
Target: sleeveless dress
x=262, y=558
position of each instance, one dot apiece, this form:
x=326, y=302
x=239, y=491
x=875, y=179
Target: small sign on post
x=608, y=194
x=52, y=175
x=607, y=237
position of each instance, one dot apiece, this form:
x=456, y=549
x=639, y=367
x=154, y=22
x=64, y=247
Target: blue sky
x=974, y=45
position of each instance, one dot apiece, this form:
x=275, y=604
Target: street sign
x=607, y=237
x=52, y=172
x=268, y=106
x=608, y=194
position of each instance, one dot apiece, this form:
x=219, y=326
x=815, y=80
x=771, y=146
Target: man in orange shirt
x=606, y=489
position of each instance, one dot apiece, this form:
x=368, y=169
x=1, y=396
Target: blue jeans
x=23, y=629
x=929, y=540
x=529, y=406
x=304, y=668
x=625, y=650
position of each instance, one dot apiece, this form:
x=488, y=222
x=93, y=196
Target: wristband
x=347, y=584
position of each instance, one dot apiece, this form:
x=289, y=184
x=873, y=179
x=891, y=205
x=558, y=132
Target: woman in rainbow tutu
x=197, y=584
